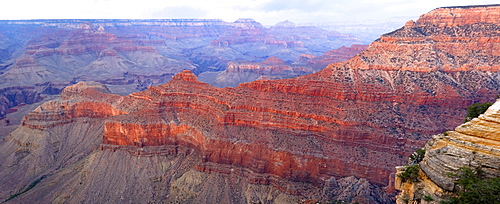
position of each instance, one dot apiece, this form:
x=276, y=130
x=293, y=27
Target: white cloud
x=265, y=11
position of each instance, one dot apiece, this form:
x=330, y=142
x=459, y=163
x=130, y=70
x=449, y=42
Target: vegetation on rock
x=417, y=156
x=476, y=109
x=474, y=188
x=410, y=173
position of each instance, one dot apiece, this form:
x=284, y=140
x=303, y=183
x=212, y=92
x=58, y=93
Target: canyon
x=275, y=68
x=335, y=134
x=40, y=57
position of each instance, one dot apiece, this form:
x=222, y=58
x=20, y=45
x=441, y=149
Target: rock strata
x=333, y=56
x=474, y=144
x=130, y=55
x=241, y=72
x=275, y=68
x=291, y=138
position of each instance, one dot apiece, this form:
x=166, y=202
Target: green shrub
x=474, y=188
x=428, y=198
x=410, y=173
x=476, y=109
x=26, y=189
x=417, y=156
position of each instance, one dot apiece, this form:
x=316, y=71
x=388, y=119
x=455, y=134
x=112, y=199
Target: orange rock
x=361, y=117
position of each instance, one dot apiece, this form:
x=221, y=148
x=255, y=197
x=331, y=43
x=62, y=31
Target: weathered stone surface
x=131, y=55
x=333, y=56
x=241, y=72
x=357, y=118
x=475, y=144
x=461, y=15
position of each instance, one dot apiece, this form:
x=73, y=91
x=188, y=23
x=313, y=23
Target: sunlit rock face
x=130, y=55
x=294, y=139
x=474, y=145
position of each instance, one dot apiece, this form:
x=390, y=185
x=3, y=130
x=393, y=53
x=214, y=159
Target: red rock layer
x=304, y=132
x=451, y=39
x=361, y=117
x=95, y=103
x=235, y=128
x=333, y=56
x=460, y=16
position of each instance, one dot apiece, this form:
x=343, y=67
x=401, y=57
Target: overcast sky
x=268, y=12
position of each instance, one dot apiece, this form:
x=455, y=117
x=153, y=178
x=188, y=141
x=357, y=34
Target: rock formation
x=275, y=68
x=332, y=56
x=106, y=127
x=474, y=144
x=240, y=72
x=285, y=140
x=86, y=53
x=130, y=55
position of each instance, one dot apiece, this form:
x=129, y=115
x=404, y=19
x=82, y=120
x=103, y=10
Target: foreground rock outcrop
x=265, y=141
x=474, y=145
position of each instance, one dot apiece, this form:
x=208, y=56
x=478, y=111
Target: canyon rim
x=335, y=134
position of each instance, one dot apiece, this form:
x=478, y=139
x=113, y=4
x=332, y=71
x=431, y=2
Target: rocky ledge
x=475, y=145
x=356, y=118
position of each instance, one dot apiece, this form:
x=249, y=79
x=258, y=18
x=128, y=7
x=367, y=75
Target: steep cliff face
x=240, y=72
x=179, y=159
x=275, y=68
x=447, y=39
x=473, y=145
x=332, y=56
x=130, y=55
x=294, y=137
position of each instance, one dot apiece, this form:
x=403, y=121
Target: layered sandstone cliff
x=241, y=72
x=294, y=139
x=130, y=55
x=332, y=56
x=474, y=145
x=275, y=68
x=173, y=135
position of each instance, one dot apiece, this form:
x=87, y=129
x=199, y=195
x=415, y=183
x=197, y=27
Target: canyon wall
x=130, y=55
x=275, y=68
x=301, y=138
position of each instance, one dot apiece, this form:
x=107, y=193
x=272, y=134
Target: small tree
x=475, y=189
x=417, y=156
x=476, y=109
x=410, y=174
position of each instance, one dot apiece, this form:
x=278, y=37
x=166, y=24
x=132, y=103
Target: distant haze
x=267, y=12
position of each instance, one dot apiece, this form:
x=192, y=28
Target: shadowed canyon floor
x=265, y=141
